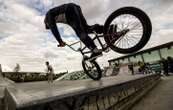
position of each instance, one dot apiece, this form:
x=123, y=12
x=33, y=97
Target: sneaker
x=95, y=55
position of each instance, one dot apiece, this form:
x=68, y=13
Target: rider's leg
x=51, y=78
x=48, y=78
x=89, y=28
x=82, y=19
x=76, y=20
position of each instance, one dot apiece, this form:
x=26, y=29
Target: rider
x=71, y=14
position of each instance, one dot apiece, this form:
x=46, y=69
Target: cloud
x=6, y=68
x=24, y=40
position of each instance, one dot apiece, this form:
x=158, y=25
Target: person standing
x=130, y=66
x=165, y=66
x=170, y=64
x=141, y=67
x=50, y=72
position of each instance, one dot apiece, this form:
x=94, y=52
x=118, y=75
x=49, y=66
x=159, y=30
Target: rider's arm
x=50, y=20
x=56, y=34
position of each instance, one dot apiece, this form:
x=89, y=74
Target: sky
x=24, y=39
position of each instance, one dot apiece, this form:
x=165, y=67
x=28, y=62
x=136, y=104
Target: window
x=151, y=56
x=124, y=60
x=136, y=58
x=166, y=52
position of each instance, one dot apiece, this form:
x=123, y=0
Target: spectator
x=130, y=66
x=164, y=63
x=170, y=64
x=141, y=67
x=50, y=72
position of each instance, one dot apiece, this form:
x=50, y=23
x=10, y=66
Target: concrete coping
x=28, y=94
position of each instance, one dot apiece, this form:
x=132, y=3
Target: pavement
x=26, y=94
x=160, y=98
x=4, y=82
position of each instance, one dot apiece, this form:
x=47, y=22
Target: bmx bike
x=133, y=30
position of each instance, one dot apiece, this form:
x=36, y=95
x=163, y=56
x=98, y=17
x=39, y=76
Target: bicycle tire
x=99, y=75
x=142, y=17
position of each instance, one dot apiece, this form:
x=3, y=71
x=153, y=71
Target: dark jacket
x=50, y=21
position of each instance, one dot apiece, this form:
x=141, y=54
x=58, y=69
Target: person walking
x=50, y=72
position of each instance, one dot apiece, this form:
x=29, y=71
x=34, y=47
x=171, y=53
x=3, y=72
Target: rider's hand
x=62, y=44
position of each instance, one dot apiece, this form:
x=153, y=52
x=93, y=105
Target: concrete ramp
x=3, y=84
x=105, y=94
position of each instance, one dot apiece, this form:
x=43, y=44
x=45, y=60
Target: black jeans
x=77, y=21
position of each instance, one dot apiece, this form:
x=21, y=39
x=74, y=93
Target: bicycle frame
x=93, y=70
x=81, y=50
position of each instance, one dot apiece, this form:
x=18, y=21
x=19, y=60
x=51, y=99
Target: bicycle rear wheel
x=92, y=69
x=136, y=26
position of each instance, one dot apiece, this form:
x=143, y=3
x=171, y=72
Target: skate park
x=121, y=91
x=86, y=55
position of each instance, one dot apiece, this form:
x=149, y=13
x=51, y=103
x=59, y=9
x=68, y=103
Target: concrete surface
x=4, y=82
x=160, y=98
x=26, y=94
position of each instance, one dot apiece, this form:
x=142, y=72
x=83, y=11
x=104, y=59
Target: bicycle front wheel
x=135, y=28
x=92, y=69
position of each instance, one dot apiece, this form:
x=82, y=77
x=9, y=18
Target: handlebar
x=80, y=49
x=70, y=46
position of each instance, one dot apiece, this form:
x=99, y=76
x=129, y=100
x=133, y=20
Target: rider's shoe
x=99, y=29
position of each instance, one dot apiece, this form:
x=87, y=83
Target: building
x=149, y=55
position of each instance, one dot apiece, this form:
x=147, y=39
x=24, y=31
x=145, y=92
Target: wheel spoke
x=135, y=26
x=121, y=43
x=118, y=40
x=131, y=38
x=130, y=22
x=127, y=41
x=91, y=68
x=132, y=41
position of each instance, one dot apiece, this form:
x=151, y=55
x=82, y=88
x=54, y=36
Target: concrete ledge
x=112, y=92
x=4, y=82
x=2, y=97
x=132, y=99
